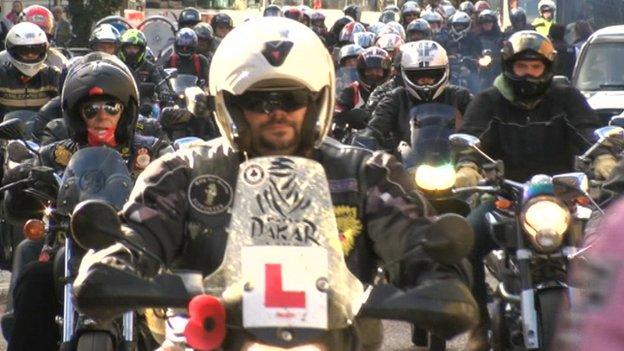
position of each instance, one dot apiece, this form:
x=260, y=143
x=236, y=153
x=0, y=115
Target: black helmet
x=204, y=31
x=188, y=17
x=353, y=11
x=185, y=43
x=272, y=11
x=222, y=19
x=518, y=17
x=487, y=16
x=99, y=74
x=373, y=57
x=528, y=45
x=418, y=29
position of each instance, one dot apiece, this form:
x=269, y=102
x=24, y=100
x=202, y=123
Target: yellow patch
x=349, y=226
x=62, y=155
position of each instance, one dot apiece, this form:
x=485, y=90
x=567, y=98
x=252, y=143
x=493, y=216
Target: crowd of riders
x=498, y=80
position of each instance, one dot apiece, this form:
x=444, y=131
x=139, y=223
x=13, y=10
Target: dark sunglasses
x=267, y=101
x=90, y=110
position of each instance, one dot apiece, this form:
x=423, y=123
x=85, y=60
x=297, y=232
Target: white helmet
x=424, y=58
x=546, y=5
x=390, y=42
x=266, y=54
x=393, y=27
x=460, y=24
x=27, y=36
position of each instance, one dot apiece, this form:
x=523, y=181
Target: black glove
x=356, y=118
x=172, y=117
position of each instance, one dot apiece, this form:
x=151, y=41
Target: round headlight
x=435, y=178
x=545, y=220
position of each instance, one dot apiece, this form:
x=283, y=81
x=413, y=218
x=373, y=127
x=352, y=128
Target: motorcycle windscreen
x=26, y=116
x=94, y=173
x=430, y=125
x=118, y=22
x=182, y=81
x=159, y=32
x=284, y=266
x=344, y=77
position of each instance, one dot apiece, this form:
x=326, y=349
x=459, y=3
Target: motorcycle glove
x=603, y=166
x=467, y=175
x=172, y=117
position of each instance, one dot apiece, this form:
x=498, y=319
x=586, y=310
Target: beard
x=276, y=145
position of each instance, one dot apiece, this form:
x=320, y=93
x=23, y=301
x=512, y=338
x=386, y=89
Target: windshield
x=183, y=81
x=601, y=68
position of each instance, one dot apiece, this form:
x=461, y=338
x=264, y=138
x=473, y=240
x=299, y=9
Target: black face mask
x=527, y=87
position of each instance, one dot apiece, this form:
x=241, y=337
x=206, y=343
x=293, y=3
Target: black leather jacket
x=386, y=215
x=391, y=117
x=17, y=93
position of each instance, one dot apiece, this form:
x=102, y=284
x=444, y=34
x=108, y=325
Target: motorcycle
x=160, y=34
x=283, y=281
x=538, y=227
x=92, y=173
x=428, y=157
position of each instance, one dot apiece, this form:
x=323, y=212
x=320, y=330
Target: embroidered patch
x=142, y=159
x=62, y=155
x=349, y=226
x=210, y=194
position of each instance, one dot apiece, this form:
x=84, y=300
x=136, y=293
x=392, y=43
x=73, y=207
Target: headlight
x=435, y=178
x=254, y=346
x=485, y=61
x=545, y=219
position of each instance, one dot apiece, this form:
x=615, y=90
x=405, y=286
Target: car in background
x=599, y=72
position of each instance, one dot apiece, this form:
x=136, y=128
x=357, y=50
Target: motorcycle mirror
x=563, y=80
x=617, y=121
x=18, y=152
x=95, y=225
x=610, y=133
x=171, y=72
x=186, y=142
x=576, y=182
x=449, y=239
x=12, y=129
x=464, y=141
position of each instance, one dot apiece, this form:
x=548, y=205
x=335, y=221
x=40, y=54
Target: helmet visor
x=425, y=77
x=460, y=27
x=30, y=53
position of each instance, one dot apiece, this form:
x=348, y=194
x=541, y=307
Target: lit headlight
x=435, y=178
x=254, y=346
x=485, y=61
x=545, y=219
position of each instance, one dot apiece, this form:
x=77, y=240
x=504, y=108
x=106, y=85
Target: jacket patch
x=210, y=194
x=62, y=155
x=342, y=185
x=349, y=226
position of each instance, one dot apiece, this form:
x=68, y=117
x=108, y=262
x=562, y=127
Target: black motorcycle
x=539, y=228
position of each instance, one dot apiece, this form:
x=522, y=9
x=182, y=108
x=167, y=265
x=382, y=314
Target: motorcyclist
x=105, y=38
x=479, y=7
x=491, y=39
x=418, y=29
x=100, y=104
x=26, y=82
x=425, y=72
x=534, y=126
x=43, y=18
x=518, y=19
x=272, y=10
x=353, y=11
x=317, y=23
x=222, y=24
x=373, y=67
x=286, y=116
x=132, y=53
x=464, y=49
x=349, y=56
x=347, y=32
x=409, y=12
x=388, y=16
x=188, y=18
x=546, y=10
x=391, y=43
x=186, y=59
x=207, y=43
x=436, y=22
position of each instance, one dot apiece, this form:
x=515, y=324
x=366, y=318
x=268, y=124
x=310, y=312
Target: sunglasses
x=267, y=101
x=90, y=110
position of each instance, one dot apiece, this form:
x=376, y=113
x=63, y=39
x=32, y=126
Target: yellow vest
x=542, y=26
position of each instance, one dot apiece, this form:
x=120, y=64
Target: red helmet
x=40, y=16
x=481, y=5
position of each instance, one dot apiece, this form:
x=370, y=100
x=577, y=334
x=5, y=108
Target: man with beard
x=267, y=105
